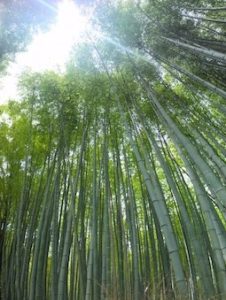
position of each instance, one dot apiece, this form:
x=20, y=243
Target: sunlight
x=51, y=50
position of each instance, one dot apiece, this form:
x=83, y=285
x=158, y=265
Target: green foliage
x=112, y=178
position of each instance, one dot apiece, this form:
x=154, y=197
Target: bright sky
x=48, y=50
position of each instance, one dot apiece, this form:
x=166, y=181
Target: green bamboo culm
x=113, y=172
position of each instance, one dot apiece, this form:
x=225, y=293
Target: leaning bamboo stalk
x=62, y=280
x=161, y=212
x=201, y=50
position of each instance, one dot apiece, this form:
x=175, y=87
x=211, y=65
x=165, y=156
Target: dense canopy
x=113, y=174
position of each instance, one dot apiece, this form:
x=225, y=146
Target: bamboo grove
x=113, y=175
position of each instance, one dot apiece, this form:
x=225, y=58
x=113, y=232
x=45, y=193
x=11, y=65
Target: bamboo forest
x=113, y=171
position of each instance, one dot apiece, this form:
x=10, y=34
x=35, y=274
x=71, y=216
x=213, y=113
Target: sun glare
x=49, y=50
